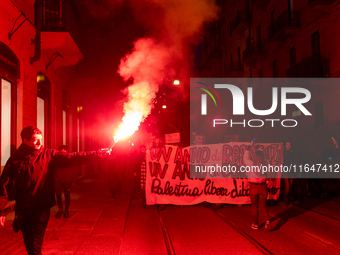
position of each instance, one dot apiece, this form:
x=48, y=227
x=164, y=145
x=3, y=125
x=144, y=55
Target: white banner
x=168, y=174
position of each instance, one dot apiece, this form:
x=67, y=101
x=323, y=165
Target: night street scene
x=170, y=127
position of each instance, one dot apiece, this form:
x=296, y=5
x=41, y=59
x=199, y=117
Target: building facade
x=277, y=39
x=37, y=58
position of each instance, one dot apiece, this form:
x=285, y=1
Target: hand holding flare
x=113, y=143
x=128, y=127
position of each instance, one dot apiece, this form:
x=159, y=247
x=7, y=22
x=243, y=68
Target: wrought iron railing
x=235, y=66
x=54, y=15
x=286, y=19
x=256, y=47
x=241, y=16
x=312, y=66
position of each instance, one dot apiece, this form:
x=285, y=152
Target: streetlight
x=176, y=82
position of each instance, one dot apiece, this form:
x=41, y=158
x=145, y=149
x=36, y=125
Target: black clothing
x=59, y=188
x=116, y=170
x=287, y=178
x=28, y=177
x=289, y=160
x=33, y=228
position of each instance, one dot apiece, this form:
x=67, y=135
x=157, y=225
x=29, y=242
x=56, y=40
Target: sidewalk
x=96, y=223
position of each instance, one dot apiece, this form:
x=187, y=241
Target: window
x=239, y=57
x=6, y=116
x=272, y=17
x=292, y=56
x=316, y=44
x=78, y=135
x=80, y=125
x=64, y=127
x=43, y=108
x=66, y=101
x=41, y=116
x=275, y=69
x=259, y=39
x=9, y=74
x=290, y=10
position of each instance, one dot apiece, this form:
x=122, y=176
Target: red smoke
x=174, y=26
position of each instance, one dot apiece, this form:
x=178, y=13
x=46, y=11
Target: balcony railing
x=235, y=69
x=321, y=2
x=240, y=20
x=56, y=33
x=54, y=15
x=285, y=20
x=255, y=48
x=312, y=66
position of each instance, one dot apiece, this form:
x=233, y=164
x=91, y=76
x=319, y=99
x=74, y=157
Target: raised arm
x=64, y=160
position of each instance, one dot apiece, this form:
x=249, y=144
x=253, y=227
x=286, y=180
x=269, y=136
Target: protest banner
x=176, y=175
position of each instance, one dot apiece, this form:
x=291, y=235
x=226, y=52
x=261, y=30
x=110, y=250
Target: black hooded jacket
x=28, y=175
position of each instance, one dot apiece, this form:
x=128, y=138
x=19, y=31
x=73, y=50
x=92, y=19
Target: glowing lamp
x=40, y=78
x=176, y=82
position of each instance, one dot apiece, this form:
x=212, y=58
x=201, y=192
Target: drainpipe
x=37, y=39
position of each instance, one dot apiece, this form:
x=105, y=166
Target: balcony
x=240, y=24
x=234, y=70
x=55, y=33
x=253, y=53
x=312, y=66
x=320, y=2
x=284, y=26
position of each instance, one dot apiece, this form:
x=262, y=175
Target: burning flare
x=154, y=59
x=136, y=109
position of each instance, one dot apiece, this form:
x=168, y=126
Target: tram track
x=310, y=234
x=247, y=236
x=171, y=250
x=167, y=239
x=258, y=245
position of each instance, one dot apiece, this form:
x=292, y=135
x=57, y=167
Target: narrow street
x=100, y=224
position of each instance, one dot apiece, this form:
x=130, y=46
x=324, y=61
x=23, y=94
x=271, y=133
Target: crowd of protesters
x=38, y=175
x=293, y=188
